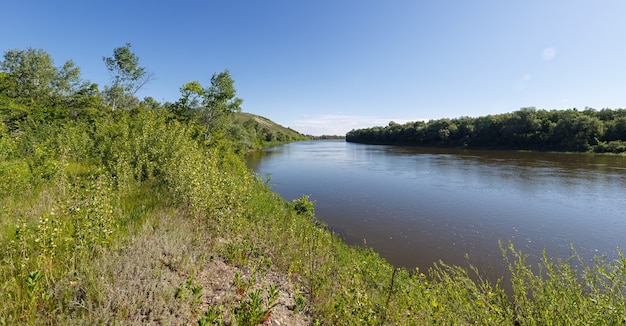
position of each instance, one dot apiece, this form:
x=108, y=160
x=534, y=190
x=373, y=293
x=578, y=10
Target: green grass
x=140, y=223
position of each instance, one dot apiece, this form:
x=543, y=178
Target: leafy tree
x=150, y=103
x=212, y=106
x=191, y=99
x=128, y=77
x=31, y=73
x=6, y=84
x=87, y=98
x=67, y=80
x=7, y=145
x=220, y=103
x=30, y=85
x=616, y=129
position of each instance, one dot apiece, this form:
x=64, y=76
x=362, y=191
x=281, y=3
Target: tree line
x=587, y=130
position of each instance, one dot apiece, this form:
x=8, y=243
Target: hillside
x=244, y=118
x=253, y=131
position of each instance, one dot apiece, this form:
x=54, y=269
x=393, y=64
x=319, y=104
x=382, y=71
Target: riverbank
x=137, y=222
x=570, y=130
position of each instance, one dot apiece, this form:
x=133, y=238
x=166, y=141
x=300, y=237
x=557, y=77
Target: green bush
x=7, y=144
x=15, y=176
x=304, y=206
x=613, y=146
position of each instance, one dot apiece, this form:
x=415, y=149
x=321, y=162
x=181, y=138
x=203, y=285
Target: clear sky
x=328, y=66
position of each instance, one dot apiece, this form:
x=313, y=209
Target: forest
x=588, y=130
x=116, y=210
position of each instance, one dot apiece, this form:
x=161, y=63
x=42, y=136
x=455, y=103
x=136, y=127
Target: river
x=416, y=206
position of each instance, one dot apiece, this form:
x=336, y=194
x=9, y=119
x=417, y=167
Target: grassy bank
x=133, y=220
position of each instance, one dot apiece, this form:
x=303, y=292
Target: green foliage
x=216, y=112
x=250, y=131
x=189, y=290
x=187, y=107
x=304, y=206
x=212, y=316
x=527, y=128
x=256, y=308
x=128, y=77
x=7, y=143
x=32, y=83
x=15, y=176
x=32, y=73
x=613, y=146
x=109, y=218
x=212, y=106
x=124, y=68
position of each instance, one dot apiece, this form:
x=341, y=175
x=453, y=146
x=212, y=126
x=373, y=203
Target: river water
x=416, y=206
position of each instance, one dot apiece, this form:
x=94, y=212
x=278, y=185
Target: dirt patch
x=220, y=290
x=263, y=122
x=166, y=275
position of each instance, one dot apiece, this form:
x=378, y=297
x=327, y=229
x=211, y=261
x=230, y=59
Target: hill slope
x=255, y=131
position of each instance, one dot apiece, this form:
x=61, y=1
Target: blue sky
x=326, y=67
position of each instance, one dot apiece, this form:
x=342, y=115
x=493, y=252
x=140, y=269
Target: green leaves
x=527, y=128
x=304, y=206
x=32, y=77
x=32, y=71
x=128, y=77
x=124, y=69
x=212, y=106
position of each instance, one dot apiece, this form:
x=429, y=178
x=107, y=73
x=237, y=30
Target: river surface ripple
x=416, y=206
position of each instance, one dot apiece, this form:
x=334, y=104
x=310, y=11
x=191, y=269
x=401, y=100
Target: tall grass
x=131, y=220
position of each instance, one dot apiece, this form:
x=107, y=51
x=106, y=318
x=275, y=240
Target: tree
x=150, y=103
x=31, y=74
x=187, y=107
x=212, y=106
x=220, y=103
x=128, y=77
x=30, y=84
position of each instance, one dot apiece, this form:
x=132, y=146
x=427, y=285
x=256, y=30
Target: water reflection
x=419, y=205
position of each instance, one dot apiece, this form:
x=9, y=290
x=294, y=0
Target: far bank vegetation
x=587, y=130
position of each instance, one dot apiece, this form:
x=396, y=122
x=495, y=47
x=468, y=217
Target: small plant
x=272, y=296
x=189, y=289
x=212, y=316
x=242, y=285
x=242, y=252
x=250, y=311
x=299, y=300
x=304, y=206
x=32, y=281
x=255, y=309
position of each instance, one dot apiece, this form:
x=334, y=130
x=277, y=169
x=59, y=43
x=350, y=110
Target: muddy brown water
x=416, y=206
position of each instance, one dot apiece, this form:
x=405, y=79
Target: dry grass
x=169, y=274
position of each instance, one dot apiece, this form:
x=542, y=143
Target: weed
x=189, y=290
x=257, y=306
x=211, y=316
x=299, y=300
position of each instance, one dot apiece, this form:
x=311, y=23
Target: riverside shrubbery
x=104, y=185
x=117, y=218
